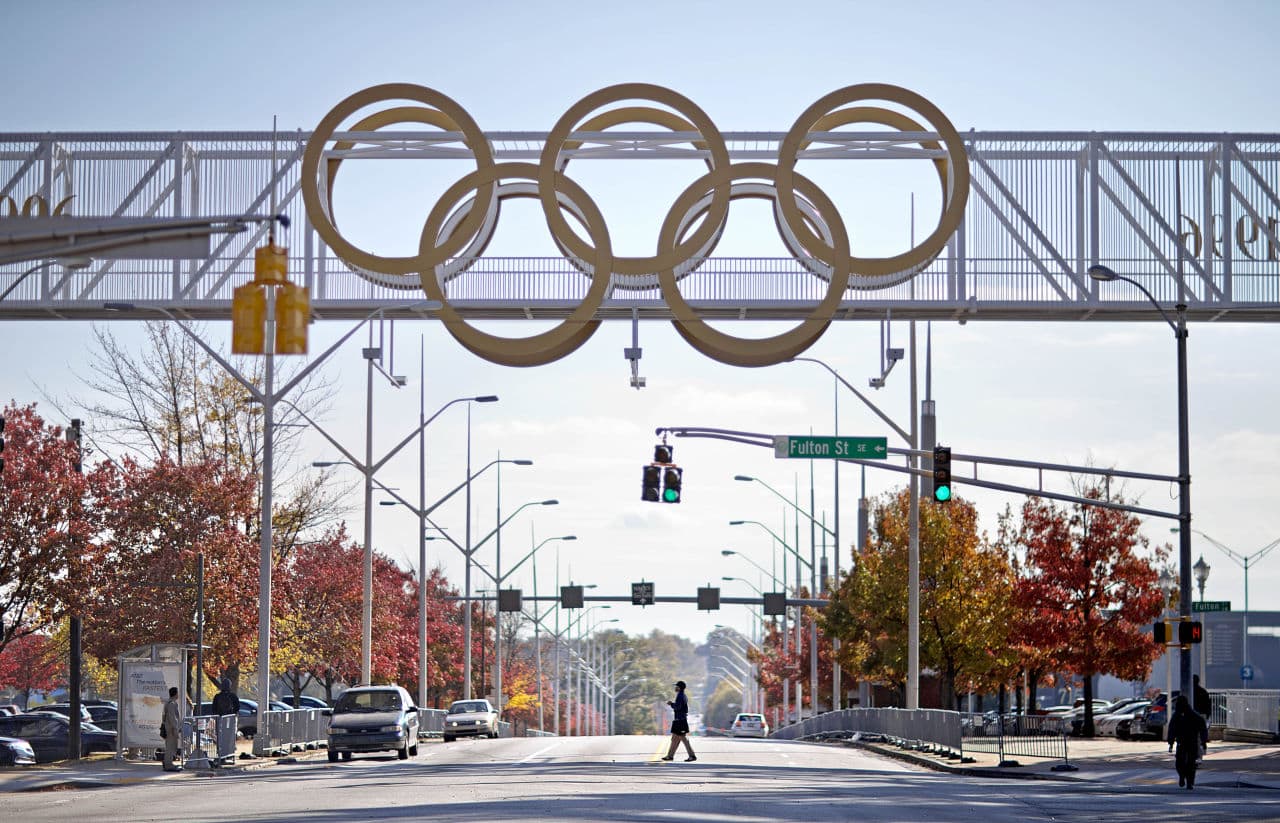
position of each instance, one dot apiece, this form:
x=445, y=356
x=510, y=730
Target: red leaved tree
x=1088, y=589
x=32, y=662
x=43, y=528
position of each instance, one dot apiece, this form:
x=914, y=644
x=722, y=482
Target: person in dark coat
x=1188, y=731
x=680, y=725
x=225, y=701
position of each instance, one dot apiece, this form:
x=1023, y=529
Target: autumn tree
x=142, y=582
x=966, y=599
x=1088, y=583
x=44, y=524
x=32, y=663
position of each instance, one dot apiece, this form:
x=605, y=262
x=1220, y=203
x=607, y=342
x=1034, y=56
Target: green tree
x=966, y=599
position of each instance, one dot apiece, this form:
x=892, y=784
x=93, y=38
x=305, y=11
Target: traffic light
x=1161, y=633
x=672, y=477
x=249, y=306
x=942, y=473
x=1190, y=631
x=662, y=453
x=651, y=489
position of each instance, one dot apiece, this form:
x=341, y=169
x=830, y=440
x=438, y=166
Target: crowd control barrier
x=1016, y=735
x=209, y=740
x=1253, y=715
x=296, y=730
x=431, y=722
x=538, y=733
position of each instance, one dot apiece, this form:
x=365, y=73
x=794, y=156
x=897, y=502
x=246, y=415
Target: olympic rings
x=555, y=343
x=462, y=221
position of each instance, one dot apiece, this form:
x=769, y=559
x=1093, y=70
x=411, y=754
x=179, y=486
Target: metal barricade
x=209, y=740
x=504, y=729
x=1015, y=735
x=1253, y=716
x=538, y=733
x=931, y=729
x=431, y=722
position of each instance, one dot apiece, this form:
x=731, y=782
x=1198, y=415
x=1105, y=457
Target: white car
x=749, y=725
x=1120, y=722
x=470, y=718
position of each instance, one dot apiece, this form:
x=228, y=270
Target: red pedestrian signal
x=1190, y=631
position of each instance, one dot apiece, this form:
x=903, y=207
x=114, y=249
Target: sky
x=1062, y=392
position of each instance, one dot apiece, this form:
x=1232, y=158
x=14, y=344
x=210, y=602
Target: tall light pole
x=1201, y=570
x=368, y=468
x=1104, y=274
x=786, y=683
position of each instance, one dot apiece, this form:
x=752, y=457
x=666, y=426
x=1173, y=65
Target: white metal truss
x=1043, y=208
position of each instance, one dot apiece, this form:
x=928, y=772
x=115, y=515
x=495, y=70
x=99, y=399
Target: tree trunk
x=1086, y=729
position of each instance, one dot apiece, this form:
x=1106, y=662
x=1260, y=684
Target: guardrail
x=539, y=733
x=921, y=729
x=431, y=722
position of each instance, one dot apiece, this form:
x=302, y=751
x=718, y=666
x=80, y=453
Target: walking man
x=1187, y=730
x=680, y=725
x=171, y=729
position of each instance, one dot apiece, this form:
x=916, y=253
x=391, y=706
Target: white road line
x=540, y=751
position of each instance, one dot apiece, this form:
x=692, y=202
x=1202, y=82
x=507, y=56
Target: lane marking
x=540, y=751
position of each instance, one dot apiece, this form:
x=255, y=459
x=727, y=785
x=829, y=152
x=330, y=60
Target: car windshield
x=469, y=706
x=359, y=701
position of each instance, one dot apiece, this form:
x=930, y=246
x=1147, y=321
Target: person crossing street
x=680, y=724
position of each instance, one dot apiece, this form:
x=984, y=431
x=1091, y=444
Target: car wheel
x=448, y=738
x=403, y=754
x=333, y=756
x=346, y=755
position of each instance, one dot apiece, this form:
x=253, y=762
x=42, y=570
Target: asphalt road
x=620, y=779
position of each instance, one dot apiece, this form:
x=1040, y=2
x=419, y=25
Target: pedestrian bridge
x=1193, y=217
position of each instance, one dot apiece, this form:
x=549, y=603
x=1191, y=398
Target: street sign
x=642, y=594
x=808, y=446
x=1246, y=672
x=1211, y=606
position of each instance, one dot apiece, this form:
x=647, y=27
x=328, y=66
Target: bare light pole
x=1103, y=274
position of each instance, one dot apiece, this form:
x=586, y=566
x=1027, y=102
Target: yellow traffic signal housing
x=271, y=265
x=293, y=312
x=249, y=319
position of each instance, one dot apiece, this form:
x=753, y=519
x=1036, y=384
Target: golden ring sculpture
x=460, y=224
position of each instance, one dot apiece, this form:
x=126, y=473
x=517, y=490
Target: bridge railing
x=924, y=729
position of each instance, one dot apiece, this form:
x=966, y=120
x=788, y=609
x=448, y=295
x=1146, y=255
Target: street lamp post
x=1104, y=274
x=1244, y=561
x=1201, y=570
x=786, y=683
x=368, y=468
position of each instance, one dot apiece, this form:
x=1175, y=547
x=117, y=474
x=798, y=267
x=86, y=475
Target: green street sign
x=1211, y=606
x=814, y=447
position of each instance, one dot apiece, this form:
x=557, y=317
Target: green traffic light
x=671, y=495
x=942, y=493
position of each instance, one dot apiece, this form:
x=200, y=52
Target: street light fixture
x=1104, y=274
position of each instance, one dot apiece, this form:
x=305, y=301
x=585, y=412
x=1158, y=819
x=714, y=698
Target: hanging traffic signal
x=672, y=476
x=651, y=488
x=249, y=306
x=662, y=453
x=1190, y=631
x=942, y=473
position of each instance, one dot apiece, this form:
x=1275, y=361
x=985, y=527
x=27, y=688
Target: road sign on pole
x=1211, y=606
x=642, y=594
x=807, y=446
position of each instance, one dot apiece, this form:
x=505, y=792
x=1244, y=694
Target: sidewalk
x=1118, y=762
x=100, y=770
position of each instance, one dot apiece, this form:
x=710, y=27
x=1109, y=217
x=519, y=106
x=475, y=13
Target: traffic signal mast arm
x=767, y=441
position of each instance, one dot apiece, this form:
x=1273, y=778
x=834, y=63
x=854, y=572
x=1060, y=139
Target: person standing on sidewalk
x=171, y=731
x=225, y=701
x=1188, y=731
x=680, y=725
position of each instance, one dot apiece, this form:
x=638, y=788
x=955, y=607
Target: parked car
x=1118, y=723
x=749, y=725
x=104, y=717
x=10, y=708
x=16, y=752
x=470, y=718
x=373, y=719
x=64, y=709
x=1101, y=712
x=306, y=701
x=1151, y=722
x=48, y=732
